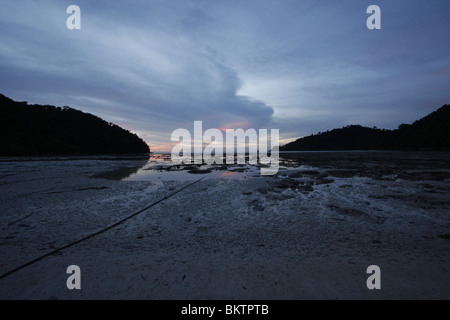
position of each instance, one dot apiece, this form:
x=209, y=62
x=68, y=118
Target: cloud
x=298, y=66
x=122, y=71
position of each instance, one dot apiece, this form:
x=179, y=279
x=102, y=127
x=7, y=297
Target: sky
x=300, y=66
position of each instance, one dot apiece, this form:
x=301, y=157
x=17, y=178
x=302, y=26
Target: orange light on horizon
x=235, y=125
x=161, y=148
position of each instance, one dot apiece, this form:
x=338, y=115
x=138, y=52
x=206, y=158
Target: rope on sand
x=96, y=233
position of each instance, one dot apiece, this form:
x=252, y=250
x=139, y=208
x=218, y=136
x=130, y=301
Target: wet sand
x=310, y=232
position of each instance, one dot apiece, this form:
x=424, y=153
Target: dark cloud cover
x=298, y=66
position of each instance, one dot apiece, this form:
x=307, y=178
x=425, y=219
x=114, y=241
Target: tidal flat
x=143, y=228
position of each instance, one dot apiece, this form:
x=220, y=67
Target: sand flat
x=308, y=233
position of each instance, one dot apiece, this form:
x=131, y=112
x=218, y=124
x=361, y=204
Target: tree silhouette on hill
x=429, y=133
x=48, y=130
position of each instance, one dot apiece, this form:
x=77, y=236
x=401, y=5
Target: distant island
x=429, y=133
x=48, y=130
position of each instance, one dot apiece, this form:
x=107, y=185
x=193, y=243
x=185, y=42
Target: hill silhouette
x=48, y=130
x=429, y=133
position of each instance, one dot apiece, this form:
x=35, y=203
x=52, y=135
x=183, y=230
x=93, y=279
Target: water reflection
x=123, y=170
x=160, y=166
x=367, y=163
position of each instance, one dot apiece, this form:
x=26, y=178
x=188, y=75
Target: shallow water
x=375, y=164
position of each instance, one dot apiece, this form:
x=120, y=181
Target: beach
x=309, y=232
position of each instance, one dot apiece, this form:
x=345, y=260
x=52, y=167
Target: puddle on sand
x=187, y=174
x=152, y=174
x=160, y=167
